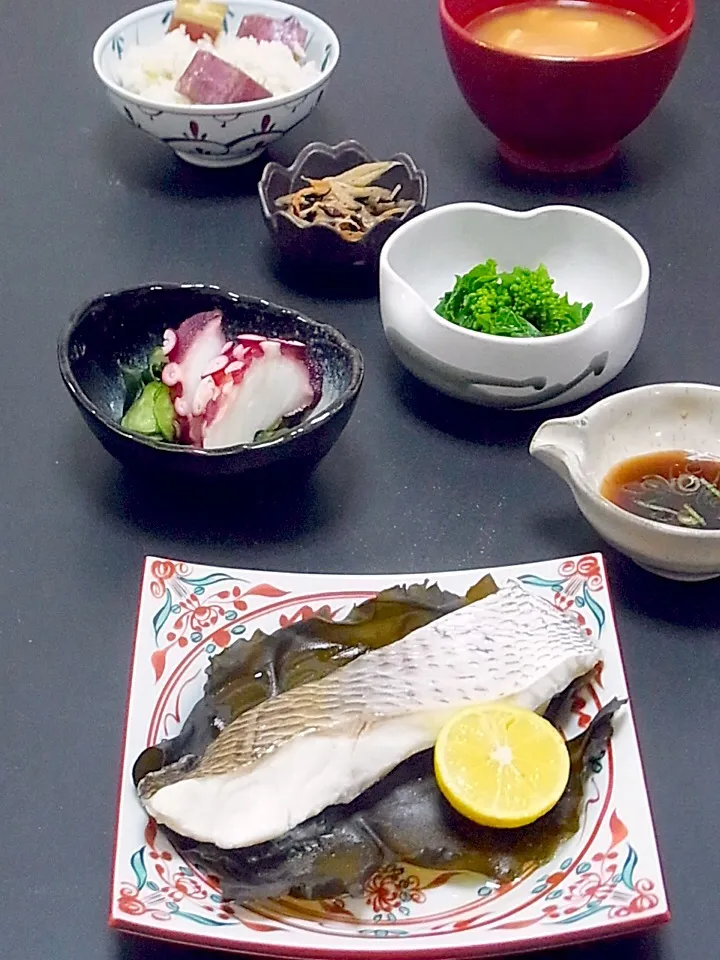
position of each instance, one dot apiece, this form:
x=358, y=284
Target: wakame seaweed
x=403, y=818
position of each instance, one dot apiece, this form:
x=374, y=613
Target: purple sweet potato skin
x=209, y=79
x=289, y=31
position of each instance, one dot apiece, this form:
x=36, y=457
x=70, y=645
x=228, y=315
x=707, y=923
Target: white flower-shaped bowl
x=583, y=449
x=207, y=135
x=591, y=258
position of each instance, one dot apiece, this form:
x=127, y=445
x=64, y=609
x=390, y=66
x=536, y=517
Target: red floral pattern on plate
x=601, y=884
x=197, y=609
x=392, y=889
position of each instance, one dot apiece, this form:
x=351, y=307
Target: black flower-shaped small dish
x=120, y=329
x=319, y=244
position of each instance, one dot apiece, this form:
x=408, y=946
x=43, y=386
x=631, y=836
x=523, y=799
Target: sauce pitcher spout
x=560, y=445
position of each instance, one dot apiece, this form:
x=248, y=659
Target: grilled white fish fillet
x=326, y=742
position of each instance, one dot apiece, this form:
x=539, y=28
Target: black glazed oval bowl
x=122, y=327
x=317, y=244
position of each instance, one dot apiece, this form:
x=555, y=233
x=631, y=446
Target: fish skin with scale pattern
x=325, y=742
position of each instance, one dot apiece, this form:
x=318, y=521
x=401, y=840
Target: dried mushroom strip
x=351, y=202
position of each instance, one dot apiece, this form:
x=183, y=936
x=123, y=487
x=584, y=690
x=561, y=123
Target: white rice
x=153, y=70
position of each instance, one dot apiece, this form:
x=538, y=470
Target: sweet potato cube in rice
x=209, y=79
x=288, y=31
x=201, y=18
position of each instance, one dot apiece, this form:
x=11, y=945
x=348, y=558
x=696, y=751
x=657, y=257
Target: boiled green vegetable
x=519, y=303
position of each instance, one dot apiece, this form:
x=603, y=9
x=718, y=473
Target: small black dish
x=317, y=244
x=122, y=328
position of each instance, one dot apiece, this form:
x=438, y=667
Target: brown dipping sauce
x=673, y=487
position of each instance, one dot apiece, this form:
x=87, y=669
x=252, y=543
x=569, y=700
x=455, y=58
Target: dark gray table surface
x=416, y=482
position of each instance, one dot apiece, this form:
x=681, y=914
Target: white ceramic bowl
x=206, y=135
x=589, y=256
x=583, y=449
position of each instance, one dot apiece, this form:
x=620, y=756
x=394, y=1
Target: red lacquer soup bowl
x=563, y=116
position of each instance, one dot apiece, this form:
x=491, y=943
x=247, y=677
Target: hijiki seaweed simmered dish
x=351, y=202
x=308, y=762
x=198, y=61
x=201, y=389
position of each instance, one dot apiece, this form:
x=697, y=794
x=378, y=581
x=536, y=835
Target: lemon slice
x=501, y=766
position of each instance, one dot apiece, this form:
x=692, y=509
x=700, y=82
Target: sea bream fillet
x=325, y=742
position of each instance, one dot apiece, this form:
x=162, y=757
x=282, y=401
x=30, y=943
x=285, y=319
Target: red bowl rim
x=667, y=39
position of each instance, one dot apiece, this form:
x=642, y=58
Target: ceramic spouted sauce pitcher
x=583, y=450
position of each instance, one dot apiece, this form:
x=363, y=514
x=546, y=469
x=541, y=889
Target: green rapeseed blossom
x=520, y=303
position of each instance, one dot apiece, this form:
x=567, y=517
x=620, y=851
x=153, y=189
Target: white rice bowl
x=152, y=70
x=132, y=54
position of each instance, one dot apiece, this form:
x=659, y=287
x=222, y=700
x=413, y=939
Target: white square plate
x=605, y=881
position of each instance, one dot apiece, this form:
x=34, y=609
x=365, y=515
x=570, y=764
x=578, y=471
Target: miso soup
x=565, y=28
x=674, y=487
